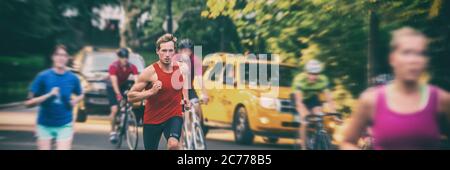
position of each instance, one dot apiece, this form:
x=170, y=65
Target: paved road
x=17, y=133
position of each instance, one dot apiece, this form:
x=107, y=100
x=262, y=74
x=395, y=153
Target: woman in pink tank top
x=405, y=113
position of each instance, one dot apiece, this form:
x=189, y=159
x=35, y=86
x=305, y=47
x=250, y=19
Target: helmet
x=186, y=43
x=313, y=66
x=123, y=52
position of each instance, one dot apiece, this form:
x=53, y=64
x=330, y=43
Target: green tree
x=334, y=31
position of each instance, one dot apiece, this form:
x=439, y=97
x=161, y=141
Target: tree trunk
x=372, y=56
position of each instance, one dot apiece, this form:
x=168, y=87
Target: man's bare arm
x=300, y=106
x=138, y=92
x=115, y=84
x=185, y=90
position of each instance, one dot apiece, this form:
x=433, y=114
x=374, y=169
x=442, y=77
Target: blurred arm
x=33, y=101
x=444, y=108
x=300, y=106
x=115, y=84
x=359, y=121
x=330, y=101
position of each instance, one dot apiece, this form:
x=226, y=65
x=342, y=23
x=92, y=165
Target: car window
x=99, y=62
x=137, y=61
x=229, y=74
x=282, y=76
x=216, y=72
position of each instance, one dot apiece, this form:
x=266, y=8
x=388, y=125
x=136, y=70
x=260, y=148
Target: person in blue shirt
x=52, y=90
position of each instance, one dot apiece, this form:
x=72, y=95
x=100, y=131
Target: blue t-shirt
x=56, y=110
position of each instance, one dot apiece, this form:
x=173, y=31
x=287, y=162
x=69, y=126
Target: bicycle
x=126, y=124
x=193, y=136
x=319, y=139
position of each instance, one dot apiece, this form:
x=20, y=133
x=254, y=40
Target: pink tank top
x=415, y=131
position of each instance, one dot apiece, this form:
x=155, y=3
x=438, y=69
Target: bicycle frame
x=191, y=129
x=187, y=133
x=122, y=128
x=321, y=139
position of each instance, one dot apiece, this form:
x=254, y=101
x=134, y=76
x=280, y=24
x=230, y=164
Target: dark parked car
x=92, y=69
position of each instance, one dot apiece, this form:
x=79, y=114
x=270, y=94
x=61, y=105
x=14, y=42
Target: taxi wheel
x=241, y=128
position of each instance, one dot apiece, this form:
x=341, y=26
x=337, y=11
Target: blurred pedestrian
x=52, y=90
x=405, y=113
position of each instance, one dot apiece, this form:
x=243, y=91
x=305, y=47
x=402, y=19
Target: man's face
x=312, y=77
x=60, y=58
x=185, y=54
x=123, y=60
x=409, y=60
x=166, y=52
x=186, y=51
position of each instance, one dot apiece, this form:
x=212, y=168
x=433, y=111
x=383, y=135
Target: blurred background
x=344, y=34
x=350, y=37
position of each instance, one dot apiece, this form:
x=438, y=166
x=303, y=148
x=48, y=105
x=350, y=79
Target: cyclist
x=119, y=72
x=405, y=113
x=308, y=88
x=194, y=71
x=163, y=109
x=52, y=90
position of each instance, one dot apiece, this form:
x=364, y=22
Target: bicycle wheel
x=185, y=140
x=132, y=132
x=199, y=137
x=119, y=129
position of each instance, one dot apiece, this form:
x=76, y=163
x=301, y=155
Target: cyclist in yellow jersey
x=310, y=88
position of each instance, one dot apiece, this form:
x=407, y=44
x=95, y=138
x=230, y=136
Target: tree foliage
x=335, y=31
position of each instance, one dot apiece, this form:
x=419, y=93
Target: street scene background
x=350, y=37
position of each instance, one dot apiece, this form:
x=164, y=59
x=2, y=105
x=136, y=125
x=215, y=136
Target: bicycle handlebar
x=319, y=117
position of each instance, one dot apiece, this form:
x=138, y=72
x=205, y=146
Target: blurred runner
x=52, y=90
x=405, y=113
x=119, y=72
x=163, y=109
x=307, y=89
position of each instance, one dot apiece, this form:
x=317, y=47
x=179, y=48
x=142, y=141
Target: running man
x=405, y=113
x=119, y=72
x=52, y=90
x=308, y=88
x=163, y=108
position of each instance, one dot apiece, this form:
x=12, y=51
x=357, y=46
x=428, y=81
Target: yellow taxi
x=244, y=99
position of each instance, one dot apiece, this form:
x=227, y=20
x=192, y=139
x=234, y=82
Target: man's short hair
x=166, y=38
x=59, y=47
x=405, y=32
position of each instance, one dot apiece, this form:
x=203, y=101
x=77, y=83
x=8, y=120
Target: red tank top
x=167, y=102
